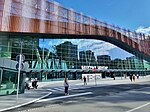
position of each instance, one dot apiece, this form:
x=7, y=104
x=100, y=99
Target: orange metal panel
x=40, y=16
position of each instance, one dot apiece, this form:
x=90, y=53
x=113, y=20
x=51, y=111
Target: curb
x=30, y=102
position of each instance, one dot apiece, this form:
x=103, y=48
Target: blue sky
x=130, y=14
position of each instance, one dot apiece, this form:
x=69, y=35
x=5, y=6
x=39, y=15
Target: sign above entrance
x=94, y=67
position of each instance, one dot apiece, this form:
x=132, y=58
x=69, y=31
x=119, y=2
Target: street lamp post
x=18, y=76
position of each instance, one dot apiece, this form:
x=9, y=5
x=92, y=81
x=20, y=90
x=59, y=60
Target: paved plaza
x=36, y=95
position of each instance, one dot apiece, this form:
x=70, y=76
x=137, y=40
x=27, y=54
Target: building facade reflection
x=54, y=59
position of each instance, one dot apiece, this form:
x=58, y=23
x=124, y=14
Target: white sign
x=102, y=67
x=92, y=76
x=92, y=67
x=87, y=67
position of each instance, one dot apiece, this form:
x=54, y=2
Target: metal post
x=42, y=66
x=43, y=55
x=19, y=71
x=18, y=76
x=95, y=75
x=95, y=79
x=32, y=53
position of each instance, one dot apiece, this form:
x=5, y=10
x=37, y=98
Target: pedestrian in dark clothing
x=84, y=79
x=27, y=86
x=66, y=85
x=131, y=78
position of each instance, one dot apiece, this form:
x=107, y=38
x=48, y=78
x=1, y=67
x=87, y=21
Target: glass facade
x=43, y=31
x=54, y=59
x=8, y=70
x=8, y=82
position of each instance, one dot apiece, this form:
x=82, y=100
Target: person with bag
x=66, y=85
x=27, y=86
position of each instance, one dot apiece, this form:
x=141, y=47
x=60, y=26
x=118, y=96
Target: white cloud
x=96, y=46
x=144, y=30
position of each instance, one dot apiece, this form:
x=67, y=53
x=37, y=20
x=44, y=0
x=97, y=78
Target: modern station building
x=53, y=57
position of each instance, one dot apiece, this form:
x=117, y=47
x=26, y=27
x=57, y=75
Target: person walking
x=66, y=85
x=84, y=79
x=134, y=77
x=131, y=77
x=27, y=85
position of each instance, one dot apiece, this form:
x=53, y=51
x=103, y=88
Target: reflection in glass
x=57, y=58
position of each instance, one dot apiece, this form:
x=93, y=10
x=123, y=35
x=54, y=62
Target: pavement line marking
x=138, y=107
x=71, y=88
x=59, y=89
x=82, y=87
x=56, y=89
x=62, y=97
x=6, y=101
x=13, y=107
x=52, y=90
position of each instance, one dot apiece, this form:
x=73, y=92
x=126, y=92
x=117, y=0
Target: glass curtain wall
x=9, y=49
x=56, y=58
x=8, y=82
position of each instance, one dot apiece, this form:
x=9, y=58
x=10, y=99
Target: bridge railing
x=42, y=16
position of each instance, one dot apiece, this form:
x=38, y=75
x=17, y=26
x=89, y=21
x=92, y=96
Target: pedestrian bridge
x=41, y=18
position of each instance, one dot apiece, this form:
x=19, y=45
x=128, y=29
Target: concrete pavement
x=10, y=102
x=33, y=95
